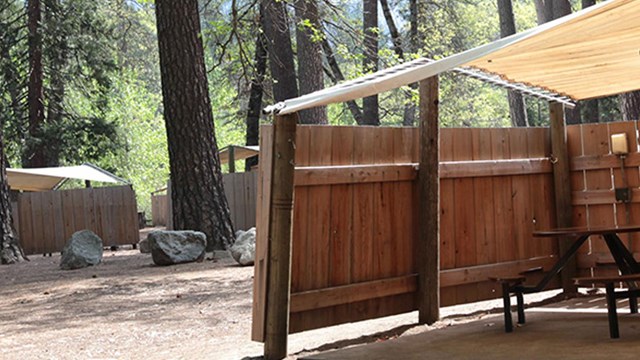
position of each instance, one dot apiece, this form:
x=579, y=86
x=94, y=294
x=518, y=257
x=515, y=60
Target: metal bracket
x=623, y=195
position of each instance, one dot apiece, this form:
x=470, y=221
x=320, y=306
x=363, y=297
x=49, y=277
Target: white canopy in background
x=591, y=53
x=240, y=152
x=45, y=179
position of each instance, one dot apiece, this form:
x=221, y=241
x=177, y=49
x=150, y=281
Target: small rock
x=83, y=249
x=143, y=245
x=177, y=247
x=244, y=249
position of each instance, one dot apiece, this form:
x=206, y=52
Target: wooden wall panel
x=48, y=219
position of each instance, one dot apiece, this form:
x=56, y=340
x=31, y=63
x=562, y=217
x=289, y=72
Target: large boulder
x=177, y=247
x=244, y=249
x=83, y=249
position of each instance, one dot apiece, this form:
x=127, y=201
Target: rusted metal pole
x=562, y=189
x=429, y=205
x=280, y=224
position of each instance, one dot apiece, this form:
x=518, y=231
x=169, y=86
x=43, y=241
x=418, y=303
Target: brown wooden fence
x=355, y=218
x=241, y=192
x=159, y=209
x=45, y=220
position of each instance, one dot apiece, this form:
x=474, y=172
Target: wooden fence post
x=562, y=189
x=232, y=159
x=429, y=205
x=279, y=238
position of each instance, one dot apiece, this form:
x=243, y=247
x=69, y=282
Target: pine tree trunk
x=310, y=72
x=197, y=195
x=517, y=108
x=255, y=96
x=630, y=105
x=10, y=250
x=35, y=152
x=56, y=91
x=276, y=30
x=370, y=111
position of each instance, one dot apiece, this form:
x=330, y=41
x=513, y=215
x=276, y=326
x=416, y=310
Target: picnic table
x=623, y=258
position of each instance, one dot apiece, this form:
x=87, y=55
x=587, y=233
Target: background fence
x=355, y=218
x=45, y=220
x=241, y=192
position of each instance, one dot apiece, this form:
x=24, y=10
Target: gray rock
x=244, y=249
x=177, y=247
x=83, y=249
x=144, y=247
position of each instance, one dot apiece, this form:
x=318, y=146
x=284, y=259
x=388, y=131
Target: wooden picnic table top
x=586, y=230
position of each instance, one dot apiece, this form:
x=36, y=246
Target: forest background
x=101, y=97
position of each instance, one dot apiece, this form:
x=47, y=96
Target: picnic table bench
x=624, y=260
x=609, y=283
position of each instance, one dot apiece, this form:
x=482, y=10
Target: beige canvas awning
x=45, y=179
x=240, y=152
x=591, y=53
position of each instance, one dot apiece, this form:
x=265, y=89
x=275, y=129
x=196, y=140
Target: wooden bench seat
x=609, y=282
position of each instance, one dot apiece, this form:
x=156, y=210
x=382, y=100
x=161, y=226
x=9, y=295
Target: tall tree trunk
x=35, y=151
x=590, y=108
x=276, y=29
x=10, y=250
x=370, y=109
x=197, y=195
x=517, y=108
x=408, y=118
x=310, y=72
x=56, y=92
x=630, y=105
x=255, y=96
x=544, y=11
x=336, y=76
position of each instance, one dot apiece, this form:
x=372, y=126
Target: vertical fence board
x=447, y=218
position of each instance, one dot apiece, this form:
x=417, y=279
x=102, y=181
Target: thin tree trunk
x=276, y=29
x=10, y=249
x=310, y=74
x=396, y=39
x=370, y=109
x=255, y=96
x=408, y=118
x=197, y=193
x=517, y=108
x=35, y=152
x=337, y=76
x=630, y=105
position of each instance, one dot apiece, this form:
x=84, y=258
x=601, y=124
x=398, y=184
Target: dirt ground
x=128, y=308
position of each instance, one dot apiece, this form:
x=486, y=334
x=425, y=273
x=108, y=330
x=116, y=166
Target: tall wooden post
x=232, y=159
x=429, y=205
x=562, y=189
x=280, y=223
